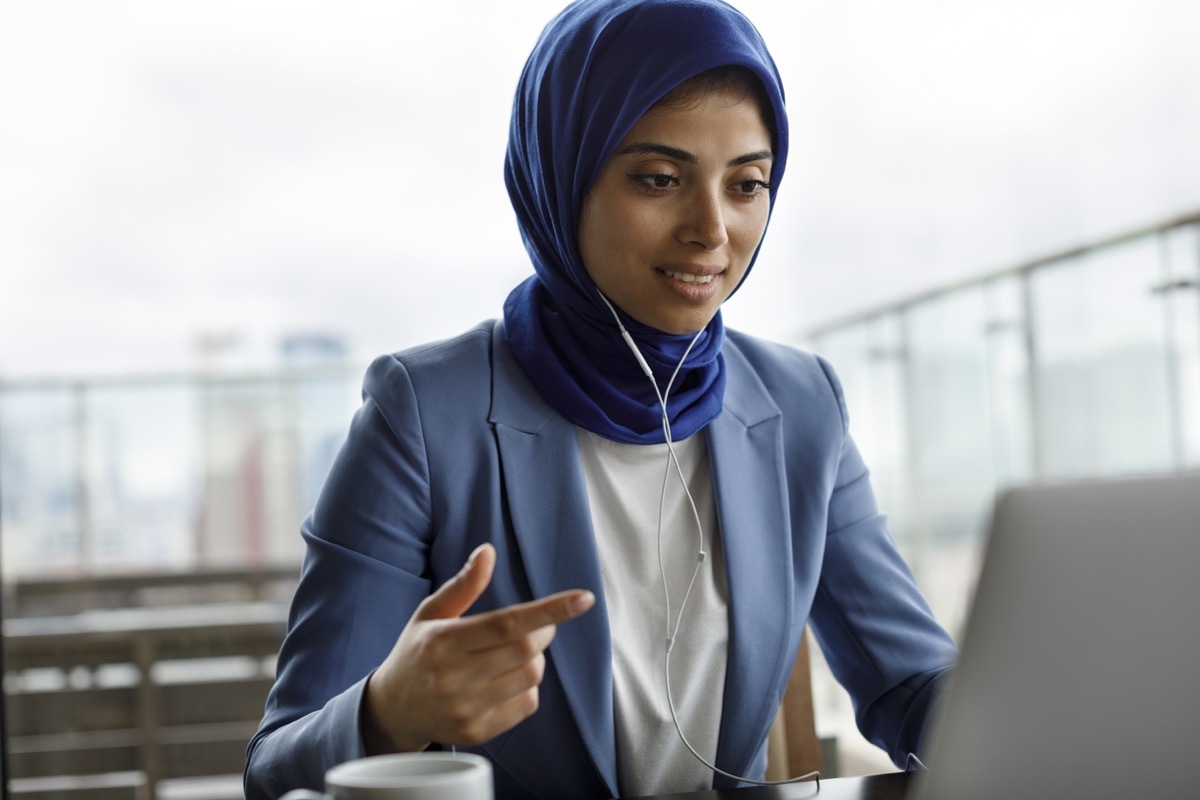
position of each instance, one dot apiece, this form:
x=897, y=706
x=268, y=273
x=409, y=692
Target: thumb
x=457, y=594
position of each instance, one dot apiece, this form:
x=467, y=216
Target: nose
x=703, y=221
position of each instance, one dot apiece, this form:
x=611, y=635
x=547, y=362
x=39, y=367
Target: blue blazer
x=454, y=447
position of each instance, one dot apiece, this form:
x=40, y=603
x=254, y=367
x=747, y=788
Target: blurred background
x=213, y=215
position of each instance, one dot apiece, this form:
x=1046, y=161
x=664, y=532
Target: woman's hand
x=463, y=680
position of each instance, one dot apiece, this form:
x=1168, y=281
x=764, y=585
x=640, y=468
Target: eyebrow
x=638, y=148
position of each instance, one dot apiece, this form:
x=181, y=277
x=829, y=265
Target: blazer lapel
x=547, y=498
x=746, y=449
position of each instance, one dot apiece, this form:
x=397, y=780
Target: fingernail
x=581, y=602
x=474, y=555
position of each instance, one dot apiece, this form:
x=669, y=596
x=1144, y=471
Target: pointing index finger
x=508, y=624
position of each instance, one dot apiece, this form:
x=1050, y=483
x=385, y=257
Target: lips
x=694, y=284
x=688, y=277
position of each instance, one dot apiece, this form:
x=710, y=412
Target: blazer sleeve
x=365, y=571
x=876, y=630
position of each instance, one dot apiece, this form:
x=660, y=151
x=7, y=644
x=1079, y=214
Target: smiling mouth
x=687, y=277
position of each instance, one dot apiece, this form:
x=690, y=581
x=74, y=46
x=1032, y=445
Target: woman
x=648, y=140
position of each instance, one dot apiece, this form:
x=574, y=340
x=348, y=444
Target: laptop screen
x=1079, y=662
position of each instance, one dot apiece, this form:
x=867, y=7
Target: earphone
x=701, y=554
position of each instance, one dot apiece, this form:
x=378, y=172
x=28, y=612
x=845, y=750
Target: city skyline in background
x=187, y=182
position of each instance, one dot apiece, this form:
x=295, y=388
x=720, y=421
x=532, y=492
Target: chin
x=678, y=322
x=689, y=328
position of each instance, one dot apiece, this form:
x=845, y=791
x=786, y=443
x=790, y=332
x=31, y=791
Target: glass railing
x=1085, y=363
x=164, y=471
x=1081, y=364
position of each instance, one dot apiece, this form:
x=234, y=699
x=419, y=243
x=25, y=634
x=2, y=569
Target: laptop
x=1080, y=667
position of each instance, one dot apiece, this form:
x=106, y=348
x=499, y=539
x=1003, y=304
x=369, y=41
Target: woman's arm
x=372, y=660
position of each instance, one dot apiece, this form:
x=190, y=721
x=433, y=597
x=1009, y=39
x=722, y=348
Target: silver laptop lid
x=1080, y=668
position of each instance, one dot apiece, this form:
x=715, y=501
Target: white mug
x=406, y=776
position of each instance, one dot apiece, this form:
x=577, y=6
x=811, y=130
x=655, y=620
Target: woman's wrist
x=377, y=737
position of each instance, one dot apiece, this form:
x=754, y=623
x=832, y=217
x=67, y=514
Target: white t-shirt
x=625, y=486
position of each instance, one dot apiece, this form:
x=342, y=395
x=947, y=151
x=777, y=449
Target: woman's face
x=670, y=225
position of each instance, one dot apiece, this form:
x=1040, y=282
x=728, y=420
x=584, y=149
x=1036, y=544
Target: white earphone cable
x=701, y=556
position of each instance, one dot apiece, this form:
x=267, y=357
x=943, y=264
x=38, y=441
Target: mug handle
x=304, y=794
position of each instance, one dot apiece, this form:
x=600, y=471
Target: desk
x=893, y=786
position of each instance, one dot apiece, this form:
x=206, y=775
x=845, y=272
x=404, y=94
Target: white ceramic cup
x=406, y=776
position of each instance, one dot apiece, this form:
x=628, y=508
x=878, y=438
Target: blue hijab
x=597, y=68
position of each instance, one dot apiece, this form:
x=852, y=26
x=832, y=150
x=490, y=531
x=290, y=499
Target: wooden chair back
x=793, y=747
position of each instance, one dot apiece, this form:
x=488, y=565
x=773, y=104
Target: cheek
x=750, y=230
x=629, y=232
x=591, y=236
x=606, y=235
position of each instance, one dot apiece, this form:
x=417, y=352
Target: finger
x=524, y=676
x=484, y=666
x=515, y=709
x=505, y=625
x=473, y=705
x=458, y=594
x=497, y=719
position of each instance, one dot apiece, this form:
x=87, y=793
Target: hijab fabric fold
x=596, y=69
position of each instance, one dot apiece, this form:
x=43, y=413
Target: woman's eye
x=751, y=188
x=657, y=181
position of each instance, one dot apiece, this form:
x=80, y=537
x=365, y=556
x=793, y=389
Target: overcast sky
x=176, y=170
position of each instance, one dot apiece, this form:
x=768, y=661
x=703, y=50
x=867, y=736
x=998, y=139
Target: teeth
x=688, y=277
